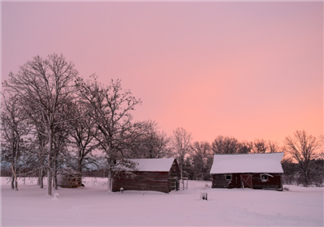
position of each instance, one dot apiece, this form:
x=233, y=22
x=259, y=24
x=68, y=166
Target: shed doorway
x=246, y=180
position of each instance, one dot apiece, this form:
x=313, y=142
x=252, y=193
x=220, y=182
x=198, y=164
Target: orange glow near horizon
x=249, y=70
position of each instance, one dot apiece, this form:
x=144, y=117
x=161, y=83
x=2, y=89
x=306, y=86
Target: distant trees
x=201, y=160
x=245, y=147
x=181, y=142
x=260, y=146
x=302, y=147
x=230, y=145
x=149, y=142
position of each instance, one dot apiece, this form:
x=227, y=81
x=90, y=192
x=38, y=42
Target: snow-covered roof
x=247, y=163
x=155, y=164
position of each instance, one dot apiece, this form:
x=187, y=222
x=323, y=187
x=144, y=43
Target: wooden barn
x=257, y=171
x=161, y=175
x=69, y=180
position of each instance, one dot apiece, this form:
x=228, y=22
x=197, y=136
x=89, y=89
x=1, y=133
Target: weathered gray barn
x=149, y=175
x=257, y=171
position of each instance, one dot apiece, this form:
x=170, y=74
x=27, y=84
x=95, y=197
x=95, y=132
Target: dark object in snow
x=121, y=190
x=82, y=185
x=161, y=175
x=203, y=196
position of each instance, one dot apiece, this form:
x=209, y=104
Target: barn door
x=246, y=180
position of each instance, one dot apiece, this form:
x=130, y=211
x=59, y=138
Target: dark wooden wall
x=146, y=181
x=174, y=177
x=219, y=181
x=68, y=181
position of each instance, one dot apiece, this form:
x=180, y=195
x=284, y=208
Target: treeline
x=197, y=160
x=54, y=121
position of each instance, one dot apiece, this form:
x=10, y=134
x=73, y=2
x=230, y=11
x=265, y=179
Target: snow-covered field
x=94, y=206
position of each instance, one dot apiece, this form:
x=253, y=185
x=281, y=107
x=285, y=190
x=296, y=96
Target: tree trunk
x=16, y=185
x=40, y=163
x=16, y=164
x=55, y=182
x=13, y=181
x=80, y=172
x=49, y=162
x=49, y=178
x=306, y=179
x=109, y=180
x=49, y=175
x=40, y=178
x=55, y=171
x=110, y=162
x=49, y=182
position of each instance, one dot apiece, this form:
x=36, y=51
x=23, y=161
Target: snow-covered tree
x=111, y=107
x=45, y=86
x=14, y=127
x=82, y=135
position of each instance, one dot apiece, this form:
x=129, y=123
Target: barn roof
x=247, y=163
x=154, y=164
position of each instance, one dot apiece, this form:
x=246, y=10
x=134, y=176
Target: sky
x=248, y=70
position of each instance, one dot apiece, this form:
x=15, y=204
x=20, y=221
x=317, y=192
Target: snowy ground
x=94, y=206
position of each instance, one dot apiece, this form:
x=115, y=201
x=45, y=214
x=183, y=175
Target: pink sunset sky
x=249, y=70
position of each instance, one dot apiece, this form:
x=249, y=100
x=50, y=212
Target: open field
x=94, y=206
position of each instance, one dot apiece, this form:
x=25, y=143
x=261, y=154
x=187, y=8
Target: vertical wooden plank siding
x=274, y=181
x=148, y=180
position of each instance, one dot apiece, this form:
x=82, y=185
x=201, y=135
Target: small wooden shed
x=257, y=171
x=69, y=180
x=161, y=175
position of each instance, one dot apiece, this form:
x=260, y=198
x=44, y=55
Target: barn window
x=228, y=177
x=264, y=177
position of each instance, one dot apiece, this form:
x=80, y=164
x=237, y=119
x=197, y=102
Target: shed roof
x=155, y=164
x=247, y=163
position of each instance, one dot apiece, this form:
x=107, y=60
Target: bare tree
x=111, y=109
x=321, y=142
x=82, y=133
x=225, y=145
x=245, y=147
x=260, y=146
x=273, y=146
x=181, y=142
x=39, y=141
x=14, y=126
x=201, y=159
x=45, y=86
x=302, y=148
x=149, y=142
